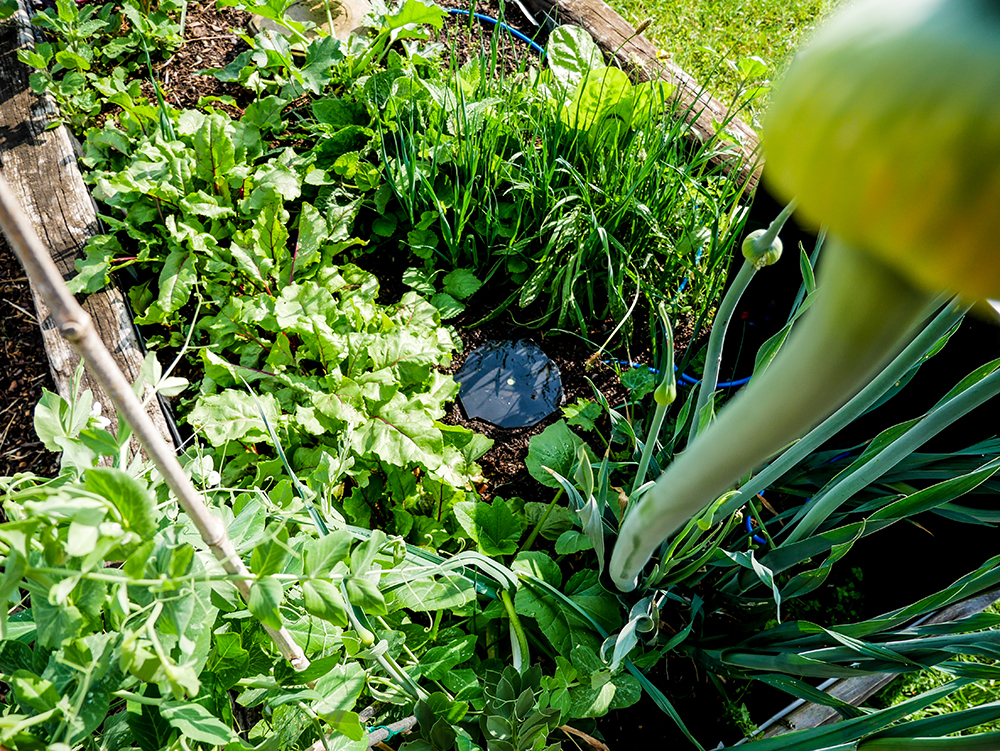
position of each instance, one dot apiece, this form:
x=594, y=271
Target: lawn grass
x=972, y=695
x=709, y=37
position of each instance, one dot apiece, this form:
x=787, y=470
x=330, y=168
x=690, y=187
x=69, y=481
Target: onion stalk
x=829, y=356
x=887, y=129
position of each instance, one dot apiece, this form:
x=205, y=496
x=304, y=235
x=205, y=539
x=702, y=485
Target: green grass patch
x=972, y=695
x=709, y=38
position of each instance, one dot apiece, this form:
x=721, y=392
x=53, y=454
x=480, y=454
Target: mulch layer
x=24, y=373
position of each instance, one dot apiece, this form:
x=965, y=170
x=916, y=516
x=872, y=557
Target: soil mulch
x=23, y=375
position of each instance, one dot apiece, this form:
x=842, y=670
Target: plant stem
x=829, y=357
x=436, y=626
x=713, y=358
x=647, y=449
x=519, y=640
x=897, y=369
x=541, y=522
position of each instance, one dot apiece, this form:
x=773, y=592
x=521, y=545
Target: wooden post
x=40, y=166
x=637, y=56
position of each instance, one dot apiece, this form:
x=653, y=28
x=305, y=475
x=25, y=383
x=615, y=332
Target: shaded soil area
x=24, y=373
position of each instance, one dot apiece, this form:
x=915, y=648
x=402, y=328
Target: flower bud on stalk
x=759, y=254
x=887, y=129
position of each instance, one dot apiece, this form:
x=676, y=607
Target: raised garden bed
x=507, y=480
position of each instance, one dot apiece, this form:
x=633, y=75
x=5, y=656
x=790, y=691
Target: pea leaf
x=228, y=661
x=324, y=600
x=265, y=597
x=438, y=661
x=323, y=553
x=196, y=722
x=130, y=497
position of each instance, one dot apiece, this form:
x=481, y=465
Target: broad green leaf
x=14, y=656
x=228, y=661
x=493, y=526
x=265, y=597
x=130, y=497
x=415, y=13
x=555, y=448
x=53, y=417
x=177, y=279
x=537, y=564
x=461, y=284
x=447, y=305
x=340, y=688
x=363, y=591
x=640, y=381
x=196, y=722
x=583, y=414
x=214, y=151
x=437, y=661
x=33, y=692
x=269, y=556
x=150, y=730
x=602, y=94
x=323, y=553
x=573, y=541
x=427, y=593
x=571, y=53
x=560, y=519
x=562, y=626
x=324, y=600
x=233, y=415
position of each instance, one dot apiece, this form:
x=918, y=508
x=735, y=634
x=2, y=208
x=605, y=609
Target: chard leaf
x=571, y=54
x=176, y=280
x=233, y=415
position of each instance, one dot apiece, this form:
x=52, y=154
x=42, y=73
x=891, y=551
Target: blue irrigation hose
x=688, y=380
x=756, y=538
x=499, y=24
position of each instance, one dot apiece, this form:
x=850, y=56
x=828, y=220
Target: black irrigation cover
x=510, y=384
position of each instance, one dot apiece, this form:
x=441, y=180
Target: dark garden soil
x=24, y=372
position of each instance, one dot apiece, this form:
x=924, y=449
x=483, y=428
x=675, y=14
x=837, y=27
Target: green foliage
x=95, y=54
x=558, y=180
x=733, y=53
x=317, y=405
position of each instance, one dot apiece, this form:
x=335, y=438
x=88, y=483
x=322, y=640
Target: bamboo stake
x=75, y=325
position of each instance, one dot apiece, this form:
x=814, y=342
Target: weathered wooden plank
x=800, y=715
x=40, y=166
x=637, y=56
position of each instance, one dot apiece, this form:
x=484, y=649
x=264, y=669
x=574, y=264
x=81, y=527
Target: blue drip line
x=688, y=380
x=514, y=32
x=756, y=538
